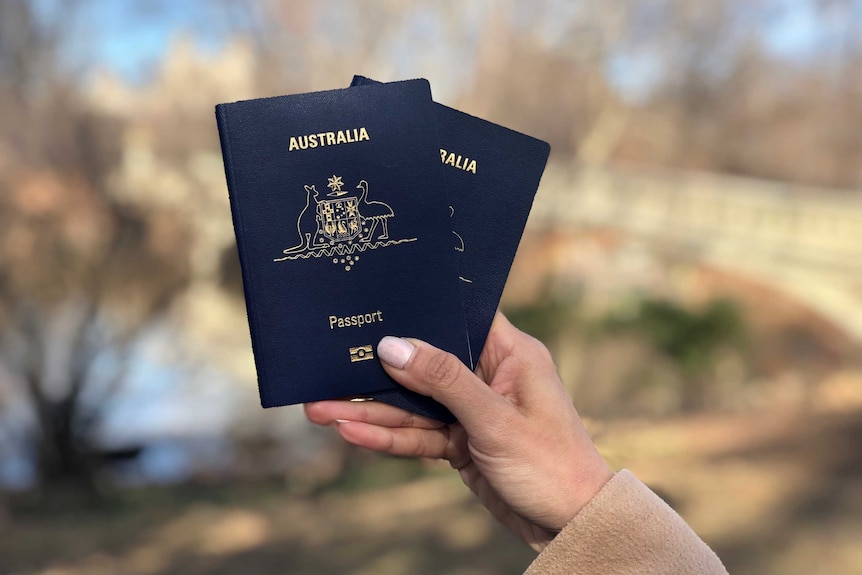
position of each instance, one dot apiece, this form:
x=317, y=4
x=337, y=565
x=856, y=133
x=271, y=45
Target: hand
x=519, y=444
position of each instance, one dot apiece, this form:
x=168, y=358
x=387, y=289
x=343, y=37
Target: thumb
x=423, y=368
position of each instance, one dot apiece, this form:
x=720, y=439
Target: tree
x=83, y=275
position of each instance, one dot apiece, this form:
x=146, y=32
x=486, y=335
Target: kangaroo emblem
x=306, y=224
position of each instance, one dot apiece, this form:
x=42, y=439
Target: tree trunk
x=63, y=459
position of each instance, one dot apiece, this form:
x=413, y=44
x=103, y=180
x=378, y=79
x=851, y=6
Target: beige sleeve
x=626, y=528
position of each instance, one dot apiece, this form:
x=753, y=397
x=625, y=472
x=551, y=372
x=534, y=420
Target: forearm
x=626, y=528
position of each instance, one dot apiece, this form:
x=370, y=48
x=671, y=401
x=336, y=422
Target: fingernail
x=342, y=421
x=395, y=351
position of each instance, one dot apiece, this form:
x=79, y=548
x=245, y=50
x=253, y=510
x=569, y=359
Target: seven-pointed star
x=335, y=183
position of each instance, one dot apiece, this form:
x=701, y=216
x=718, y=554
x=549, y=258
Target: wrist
x=584, y=485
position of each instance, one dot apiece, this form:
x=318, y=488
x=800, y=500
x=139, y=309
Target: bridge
x=804, y=241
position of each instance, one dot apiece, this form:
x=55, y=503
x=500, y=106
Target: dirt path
x=772, y=493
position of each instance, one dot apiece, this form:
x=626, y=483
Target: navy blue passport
x=492, y=174
x=344, y=235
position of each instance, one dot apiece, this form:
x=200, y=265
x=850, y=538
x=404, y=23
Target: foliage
x=548, y=316
x=691, y=338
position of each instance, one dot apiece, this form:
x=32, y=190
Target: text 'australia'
x=457, y=161
x=328, y=139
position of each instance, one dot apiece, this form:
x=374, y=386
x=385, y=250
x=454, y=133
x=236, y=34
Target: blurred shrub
x=655, y=356
x=691, y=338
x=549, y=316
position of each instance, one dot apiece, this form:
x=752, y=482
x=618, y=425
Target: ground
x=771, y=493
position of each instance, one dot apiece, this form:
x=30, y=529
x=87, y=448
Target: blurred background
x=693, y=261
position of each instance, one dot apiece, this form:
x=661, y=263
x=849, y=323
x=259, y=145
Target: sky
x=130, y=37
x=799, y=32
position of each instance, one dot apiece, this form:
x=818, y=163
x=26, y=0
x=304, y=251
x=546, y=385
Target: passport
x=344, y=235
x=492, y=174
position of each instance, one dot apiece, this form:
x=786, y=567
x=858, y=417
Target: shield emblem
x=338, y=220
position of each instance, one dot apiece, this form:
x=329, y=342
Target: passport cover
x=343, y=234
x=492, y=174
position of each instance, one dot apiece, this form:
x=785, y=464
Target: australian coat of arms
x=341, y=226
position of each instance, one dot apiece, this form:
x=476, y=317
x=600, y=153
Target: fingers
x=404, y=441
x=427, y=370
x=382, y=427
x=503, y=331
x=373, y=412
x=503, y=338
x=529, y=375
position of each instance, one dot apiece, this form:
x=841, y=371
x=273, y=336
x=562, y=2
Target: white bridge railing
x=807, y=240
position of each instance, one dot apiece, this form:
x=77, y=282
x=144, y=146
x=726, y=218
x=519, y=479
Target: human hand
x=519, y=444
